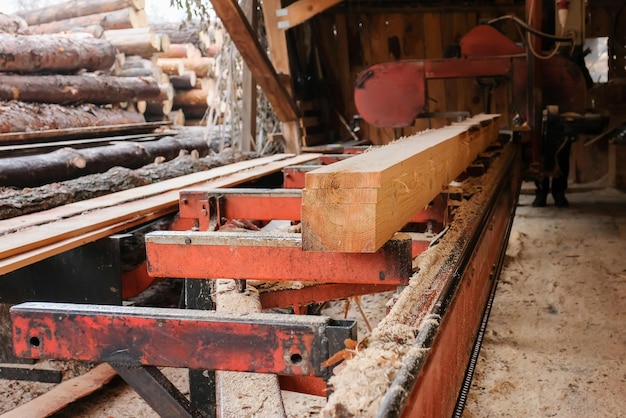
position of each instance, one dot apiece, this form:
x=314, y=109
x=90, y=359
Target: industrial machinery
x=441, y=300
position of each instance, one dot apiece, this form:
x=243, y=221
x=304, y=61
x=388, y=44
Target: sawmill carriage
x=410, y=126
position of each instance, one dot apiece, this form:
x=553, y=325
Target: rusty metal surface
x=272, y=256
x=263, y=343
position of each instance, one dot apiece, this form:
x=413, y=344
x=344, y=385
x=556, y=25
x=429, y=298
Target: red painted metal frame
x=207, y=208
x=263, y=343
x=272, y=257
x=293, y=177
x=320, y=292
x=267, y=204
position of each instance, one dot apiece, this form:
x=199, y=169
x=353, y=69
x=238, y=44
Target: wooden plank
x=301, y=11
x=114, y=213
x=49, y=135
x=64, y=394
x=251, y=51
x=356, y=205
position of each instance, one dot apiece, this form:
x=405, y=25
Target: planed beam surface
x=356, y=205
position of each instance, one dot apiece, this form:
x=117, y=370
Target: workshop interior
x=403, y=134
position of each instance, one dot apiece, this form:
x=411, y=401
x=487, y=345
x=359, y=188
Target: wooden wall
x=351, y=39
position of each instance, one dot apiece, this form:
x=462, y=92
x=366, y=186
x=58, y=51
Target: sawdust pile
x=556, y=339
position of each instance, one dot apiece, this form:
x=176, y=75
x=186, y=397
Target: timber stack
x=88, y=70
x=111, y=58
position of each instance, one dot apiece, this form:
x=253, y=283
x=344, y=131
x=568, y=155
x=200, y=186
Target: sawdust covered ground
x=556, y=340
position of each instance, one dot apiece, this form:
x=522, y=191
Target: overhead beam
x=245, y=39
x=301, y=11
x=356, y=205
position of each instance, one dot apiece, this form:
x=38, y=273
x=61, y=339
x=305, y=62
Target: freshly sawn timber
x=54, y=53
x=356, y=205
x=70, y=89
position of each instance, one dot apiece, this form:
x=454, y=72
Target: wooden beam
x=276, y=40
x=301, y=11
x=64, y=393
x=246, y=41
x=249, y=108
x=279, y=56
x=358, y=204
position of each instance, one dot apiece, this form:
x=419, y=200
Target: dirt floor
x=556, y=340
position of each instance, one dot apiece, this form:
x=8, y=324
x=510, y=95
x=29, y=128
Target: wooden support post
x=279, y=56
x=358, y=204
x=248, y=132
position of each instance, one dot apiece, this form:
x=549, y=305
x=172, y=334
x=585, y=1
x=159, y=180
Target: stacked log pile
x=91, y=65
x=110, y=56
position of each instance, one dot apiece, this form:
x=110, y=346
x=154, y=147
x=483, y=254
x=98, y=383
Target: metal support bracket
x=184, y=338
x=272, y=257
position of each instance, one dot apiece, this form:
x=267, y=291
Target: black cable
x=530, y=29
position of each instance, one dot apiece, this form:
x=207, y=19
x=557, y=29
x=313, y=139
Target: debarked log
x=68, y=89
x=67, y=163
x=54, y=53
x=18, y=116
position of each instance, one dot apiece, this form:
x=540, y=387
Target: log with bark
x=76, y=8
x=184, y=82
x=193, y=32
x=12, y=24
x=54, y=53
x=23, y=117
x=118, y=19
x=68, y=89
x=67, y=163
x=23, y=201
